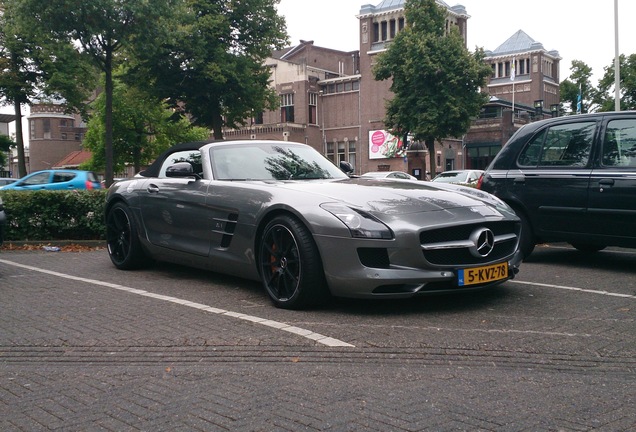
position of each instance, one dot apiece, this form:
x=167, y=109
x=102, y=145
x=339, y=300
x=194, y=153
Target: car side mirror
x=181, y=170
x=346, y=167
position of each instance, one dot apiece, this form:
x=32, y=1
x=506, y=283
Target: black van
x=570, y=179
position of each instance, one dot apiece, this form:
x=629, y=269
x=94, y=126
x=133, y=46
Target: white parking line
x=317, y=337
x=574, y=289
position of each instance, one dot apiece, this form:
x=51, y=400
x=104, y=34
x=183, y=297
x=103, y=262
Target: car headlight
x=360, y=224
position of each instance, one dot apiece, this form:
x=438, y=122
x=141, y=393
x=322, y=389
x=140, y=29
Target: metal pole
x=617, y=67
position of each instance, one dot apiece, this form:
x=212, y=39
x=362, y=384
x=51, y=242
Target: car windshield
x=451, y=177
x=264, y=161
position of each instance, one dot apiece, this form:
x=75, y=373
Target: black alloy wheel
x=122, y=240
x=290, y=265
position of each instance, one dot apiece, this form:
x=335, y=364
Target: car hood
x=396, y=197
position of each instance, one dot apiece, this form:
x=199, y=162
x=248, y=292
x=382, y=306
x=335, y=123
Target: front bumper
x=406, y=266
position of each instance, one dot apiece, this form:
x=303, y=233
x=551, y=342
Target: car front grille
x=455, y=245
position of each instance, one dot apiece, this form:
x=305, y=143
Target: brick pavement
x=79, y=357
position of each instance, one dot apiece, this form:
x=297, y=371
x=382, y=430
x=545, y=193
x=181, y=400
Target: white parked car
x=390, y=175
x=459, y=176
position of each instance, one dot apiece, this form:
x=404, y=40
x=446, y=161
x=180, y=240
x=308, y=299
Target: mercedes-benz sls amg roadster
x=282, y=213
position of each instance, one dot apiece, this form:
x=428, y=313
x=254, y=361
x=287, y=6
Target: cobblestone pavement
x=86, y=348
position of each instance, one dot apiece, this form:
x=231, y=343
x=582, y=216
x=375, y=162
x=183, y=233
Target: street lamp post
x=538, y=107
x=554, y=109
x=617, y=66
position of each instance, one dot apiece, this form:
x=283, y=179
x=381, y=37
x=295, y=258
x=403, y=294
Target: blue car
x=56, y=179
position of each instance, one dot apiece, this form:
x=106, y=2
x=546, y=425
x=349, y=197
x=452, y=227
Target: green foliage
x=436, y=81
x=33, y=65
x=39, y=66
x=143, y=126
x=104, y=31
x=605, y=97
x=579, y=80
x=212, y=64
x=6, y=143
x=54, y=215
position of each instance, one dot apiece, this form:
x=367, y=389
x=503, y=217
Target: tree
x=213, y=66
x=32, y=67
x=5, y=145
x=436, y=80
x=578, y=83
x=606, y=92
x=101, y=29
x=143, y=126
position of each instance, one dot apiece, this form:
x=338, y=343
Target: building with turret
x=53, y=134
x=525, y=73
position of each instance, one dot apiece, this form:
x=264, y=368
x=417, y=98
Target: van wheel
x=526, y=242
x=587, y=248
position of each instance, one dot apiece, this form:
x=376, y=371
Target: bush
x=54, y=215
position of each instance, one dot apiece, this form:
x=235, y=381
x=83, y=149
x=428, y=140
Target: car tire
x=526, y=242
x=587, y=248
x=122, y=239
x=290, y=265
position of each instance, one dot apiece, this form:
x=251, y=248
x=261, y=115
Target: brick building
x=53, y=134
x=524, y=86
x=330, y=100
x=338, y=107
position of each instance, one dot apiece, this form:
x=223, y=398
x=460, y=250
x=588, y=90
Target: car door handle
x=153, y=188
x=519, y=180
x=605, y=183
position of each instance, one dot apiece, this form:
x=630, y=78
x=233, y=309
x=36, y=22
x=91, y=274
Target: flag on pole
x=512, y=70
x=579, y=102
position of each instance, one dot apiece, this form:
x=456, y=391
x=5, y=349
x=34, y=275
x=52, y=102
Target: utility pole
x=617, y=66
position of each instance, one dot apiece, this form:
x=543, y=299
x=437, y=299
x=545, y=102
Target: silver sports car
x=280, y=212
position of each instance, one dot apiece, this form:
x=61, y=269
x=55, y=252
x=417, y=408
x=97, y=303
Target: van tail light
x=480, y=181
x=89, y=184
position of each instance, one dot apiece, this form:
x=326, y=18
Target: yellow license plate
x=478, y=275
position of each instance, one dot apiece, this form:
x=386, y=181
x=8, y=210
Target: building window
x=352, y=153
x=330, y=153
x=46, y=128
x=63, y=135
x=342, y=87
x=313, y=113
x=287, y=108
x=376, y=32
x=346, y=151
x=384, y=30
x=32, y=129
x=400, y=24
x=392, y=29
x=342, y=153
x=258, y=118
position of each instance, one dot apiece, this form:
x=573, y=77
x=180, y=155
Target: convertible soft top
x=153, y=169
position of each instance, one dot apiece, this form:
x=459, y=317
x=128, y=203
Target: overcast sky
x=577, y=29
